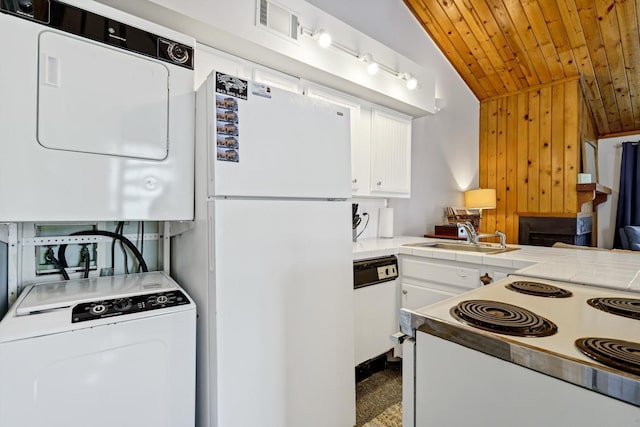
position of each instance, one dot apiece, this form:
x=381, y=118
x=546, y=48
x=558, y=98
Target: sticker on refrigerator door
x=227, y=138
x=226, y=103
x=231, y=86
x=228, y=155
x=260, y=89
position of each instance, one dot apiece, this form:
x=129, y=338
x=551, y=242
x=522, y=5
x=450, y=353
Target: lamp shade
x=482, y=198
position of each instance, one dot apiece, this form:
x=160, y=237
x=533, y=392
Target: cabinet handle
x=404, y=291
x=379, y=183
x=486, y=279
x=354, y=180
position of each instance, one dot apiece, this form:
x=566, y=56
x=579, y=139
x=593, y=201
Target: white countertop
x=372, y=248
x=612, y=269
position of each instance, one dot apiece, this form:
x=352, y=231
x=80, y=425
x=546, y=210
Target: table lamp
x=482, y=198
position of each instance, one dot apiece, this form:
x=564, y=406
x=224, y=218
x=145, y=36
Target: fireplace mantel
x=593, y=192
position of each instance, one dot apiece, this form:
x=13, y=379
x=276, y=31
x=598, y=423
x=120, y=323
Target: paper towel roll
x=385, y=222
x=584, y=178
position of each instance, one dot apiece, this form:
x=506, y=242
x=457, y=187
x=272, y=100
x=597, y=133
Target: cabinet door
x=414, y=297
x=450, y=277
x=359, y=140
x=390, y=153
x=276, y=79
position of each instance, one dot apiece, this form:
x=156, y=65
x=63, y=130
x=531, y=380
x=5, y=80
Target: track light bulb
x=324, y=39
x=412, y=83
x=373, y=68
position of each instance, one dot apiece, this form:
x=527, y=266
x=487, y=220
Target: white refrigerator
x=269, y=258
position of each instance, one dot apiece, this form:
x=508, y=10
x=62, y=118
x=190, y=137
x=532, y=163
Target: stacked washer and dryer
x=97, y=124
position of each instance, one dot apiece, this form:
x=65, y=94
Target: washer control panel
x=127, y=305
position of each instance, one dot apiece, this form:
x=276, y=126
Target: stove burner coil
x=503, y=318
x=619, y=354
x=538, y=289
x=627, y=307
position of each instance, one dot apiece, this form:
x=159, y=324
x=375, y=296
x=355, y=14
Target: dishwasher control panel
x=369, y=272
x=386, y=272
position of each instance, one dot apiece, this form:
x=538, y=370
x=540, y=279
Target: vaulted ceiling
x=503, y=46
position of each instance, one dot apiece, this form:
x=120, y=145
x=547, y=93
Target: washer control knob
x=25, y=5
x=122, y=304
x=98, y=309
x=162, y=299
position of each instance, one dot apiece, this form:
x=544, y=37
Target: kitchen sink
x=467, y=247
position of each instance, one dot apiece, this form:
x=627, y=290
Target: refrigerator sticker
x=259, y=89
x=231, y=86
x=227, y=138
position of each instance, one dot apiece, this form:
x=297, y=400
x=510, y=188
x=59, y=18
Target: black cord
x=365, y=224
x=124, y=252
x=58, y=265
x=113, y=247
x=87, y=264
x=141, y=240
x=62, y=249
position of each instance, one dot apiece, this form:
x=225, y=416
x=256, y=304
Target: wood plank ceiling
x=504, y=46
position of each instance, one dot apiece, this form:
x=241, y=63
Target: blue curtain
x=629, y=197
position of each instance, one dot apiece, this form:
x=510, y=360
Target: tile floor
x=379, y=391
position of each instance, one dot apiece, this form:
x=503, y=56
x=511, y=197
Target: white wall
x=444, y=145
x=609, y=157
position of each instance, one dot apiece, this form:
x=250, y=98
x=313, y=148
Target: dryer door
x=82, y=89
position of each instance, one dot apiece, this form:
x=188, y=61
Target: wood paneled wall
x=530, y=153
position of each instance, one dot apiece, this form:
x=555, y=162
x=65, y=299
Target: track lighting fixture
x=325, y=41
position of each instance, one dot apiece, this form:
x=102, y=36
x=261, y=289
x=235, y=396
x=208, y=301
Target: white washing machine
x=100, y=352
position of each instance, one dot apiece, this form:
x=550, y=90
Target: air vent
x=277, y=19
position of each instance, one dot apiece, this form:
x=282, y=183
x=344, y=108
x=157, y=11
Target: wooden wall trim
x=620, y=134
x=536, y=87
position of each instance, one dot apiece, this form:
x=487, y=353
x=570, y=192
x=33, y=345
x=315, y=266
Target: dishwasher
x=375, y=283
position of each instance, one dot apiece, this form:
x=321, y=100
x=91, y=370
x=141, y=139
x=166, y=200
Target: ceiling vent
x=277, y=19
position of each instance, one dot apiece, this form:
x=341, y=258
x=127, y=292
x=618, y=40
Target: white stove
x=466, y=356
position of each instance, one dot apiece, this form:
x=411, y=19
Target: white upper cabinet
x=359, y=134
x=380, y=145
x=390, y=153
x=276, y=79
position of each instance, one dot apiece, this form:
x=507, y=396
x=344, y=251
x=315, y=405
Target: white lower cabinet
x=444, y=275
x=416, y=296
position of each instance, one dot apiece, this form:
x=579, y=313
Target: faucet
x=501, y=235
x=472, y=236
